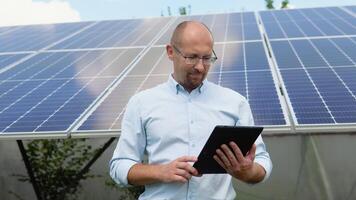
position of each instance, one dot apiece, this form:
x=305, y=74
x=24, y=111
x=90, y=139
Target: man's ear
x=169, y=50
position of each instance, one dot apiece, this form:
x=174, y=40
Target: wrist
x=252, y=175
x=157, y=173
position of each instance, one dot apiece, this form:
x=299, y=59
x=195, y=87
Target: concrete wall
x=305, y=167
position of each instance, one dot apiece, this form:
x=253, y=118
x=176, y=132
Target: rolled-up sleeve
x=132, y=142
x=262, y=156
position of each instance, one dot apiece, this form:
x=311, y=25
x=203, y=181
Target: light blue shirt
x=167, y=122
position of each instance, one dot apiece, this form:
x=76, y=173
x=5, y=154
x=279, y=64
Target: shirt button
x=193, y=145
x=192, y=122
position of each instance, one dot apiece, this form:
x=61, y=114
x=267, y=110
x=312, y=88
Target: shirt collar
x=175, y=86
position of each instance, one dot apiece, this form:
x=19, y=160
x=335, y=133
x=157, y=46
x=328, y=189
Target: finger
x=223, y=158
x=187, y=159
x=217, y=159
x=183, y=173
x=181, y=179
x=194, y=171
x=238, y=154
x=252, y=152
x=229, y=154
x=186, y=166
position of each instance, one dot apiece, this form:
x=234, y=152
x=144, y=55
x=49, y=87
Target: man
x=172, y=122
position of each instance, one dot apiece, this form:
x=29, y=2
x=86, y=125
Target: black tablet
x=243, y=136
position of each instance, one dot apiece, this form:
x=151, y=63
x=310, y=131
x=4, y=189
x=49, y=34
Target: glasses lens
x=209, y=61
x=191, y=60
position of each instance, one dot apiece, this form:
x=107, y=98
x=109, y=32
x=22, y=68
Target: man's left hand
x=241, y=167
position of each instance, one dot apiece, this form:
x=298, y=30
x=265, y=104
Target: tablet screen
x=243, y=136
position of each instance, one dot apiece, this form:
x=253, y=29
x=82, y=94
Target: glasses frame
x=193, y=60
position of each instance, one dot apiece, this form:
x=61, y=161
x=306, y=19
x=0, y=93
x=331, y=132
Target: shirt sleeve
x=262, y=156
x=130, y=148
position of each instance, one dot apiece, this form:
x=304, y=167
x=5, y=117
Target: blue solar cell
x=308, y=22
x=285, y=55
x=234, y=81
x=291, y=30
x=351, y=8
x=41, y=110
x=336, y=98
x=335, y=95
x=327, y=28
x=233, y=58
x=249, y=17
x=234, y=33
x=49, y=97
x=348, y=75
x=6, y=60
x=225, y=27
x=307, y=105
x=236, y=19
x=35, y=37
x=267, y=17
x=273, y=30
x=332, y=53
x=307, y=54
x=251, y=32
x=255, y=56
x=213, y=77
x=69, y=64
x=348, y=46
x=117, y=33
x=346, y=27
x=262, y=96
x=309, y=29
x=109, y=114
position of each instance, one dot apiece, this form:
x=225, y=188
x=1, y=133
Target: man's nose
x=199, y=66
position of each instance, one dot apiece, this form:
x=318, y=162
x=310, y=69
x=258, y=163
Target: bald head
x=187, y=28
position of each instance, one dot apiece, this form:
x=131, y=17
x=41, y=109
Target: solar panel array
x=297, y=68
x=315, y=54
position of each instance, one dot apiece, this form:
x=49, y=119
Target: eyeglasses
x=193, y=60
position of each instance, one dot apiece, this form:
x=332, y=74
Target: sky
x=21, y=12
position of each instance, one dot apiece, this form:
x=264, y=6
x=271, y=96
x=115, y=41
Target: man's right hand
x=179, y=170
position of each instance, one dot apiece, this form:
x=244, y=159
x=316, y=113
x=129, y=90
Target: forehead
x=196, y=39
x=192, y=32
